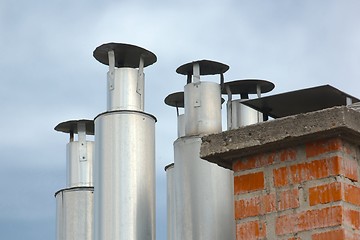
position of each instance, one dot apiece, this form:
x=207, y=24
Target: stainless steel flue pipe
x=170, y=202
x=174, y=100
x=177, y=100
x=238, y=114
x=124, y=176
x=74, y=204
x=203, y=190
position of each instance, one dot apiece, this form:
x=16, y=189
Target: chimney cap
x=126, y=55
x=72, y=126
x=248, y=86
x=171, y=165
x=300, y=101
x=207, y=67
x=175, y=99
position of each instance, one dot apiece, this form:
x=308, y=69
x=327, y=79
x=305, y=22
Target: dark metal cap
x=72, y=126
x=248, y=86
x=126, y=55
x=175, y=99
x=300, y=101
x=169, y=166
x=207, y=67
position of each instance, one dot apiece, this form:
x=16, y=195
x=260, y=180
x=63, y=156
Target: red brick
x=311, y=170
x=250, y=230
x=288, y=155
x=255, y=206
x=268, y=203
x=352, y=218
x=338, y=234
x=349, y=168
x=288, y=199
x=311, y=219
x=319, y=218
x=256, y=161
x=352, y=194
x=281, y=176
x=317, y=169
x=331, y=192
x=247, y=208
x=249, y=182
x=286, y=224
x=323, y=146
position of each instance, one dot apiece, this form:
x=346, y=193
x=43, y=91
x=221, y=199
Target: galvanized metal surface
x=79, y=153
x=79, y=157
x=202, y=108
x=181, y=125
x=74, y=218
x=170, y=200
x=123, y=92
x=204, y=195
x=124, y=178
x=203, y=191
x=238, y=114
x=74, y=212
x=177, y=100
x=242, y=115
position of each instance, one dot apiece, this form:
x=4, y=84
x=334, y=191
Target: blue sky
x=48, y=76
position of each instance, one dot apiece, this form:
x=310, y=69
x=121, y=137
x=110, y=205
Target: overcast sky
x=48, y=76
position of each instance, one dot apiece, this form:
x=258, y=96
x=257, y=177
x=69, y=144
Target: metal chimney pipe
x=171, y=210
x=174, y=100
x=74, y=204
x=201, y=117
x=203, y=191
x=181, y=125
x=238, y=114
x=177, y=100
x=124, y=177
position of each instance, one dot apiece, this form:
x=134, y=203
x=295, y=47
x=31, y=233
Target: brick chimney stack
x=295, y=177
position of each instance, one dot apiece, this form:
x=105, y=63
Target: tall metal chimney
x=203, y=191
x=170, y=201
x=238, y=114
x=124, y=177
x=174, y=100
x=74, y=204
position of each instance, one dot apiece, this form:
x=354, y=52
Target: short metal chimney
x=238, y=114
x=202, y=100
x=74, y=204
x=124, y=177
x=177, y=100
x=203, y=191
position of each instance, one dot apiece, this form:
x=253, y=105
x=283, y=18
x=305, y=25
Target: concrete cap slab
x=226, y=147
